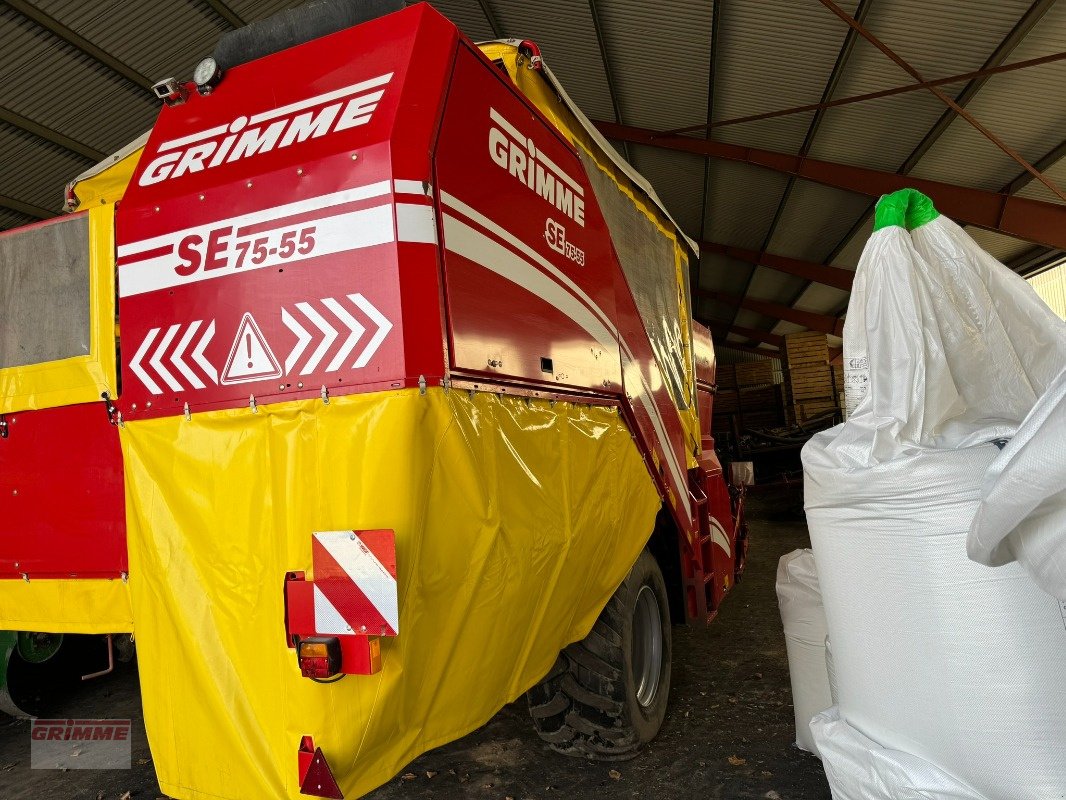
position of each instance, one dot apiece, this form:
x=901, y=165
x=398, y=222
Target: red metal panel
x=509, y=312
x=63, y=496
x=260, y=241
x=522, y=306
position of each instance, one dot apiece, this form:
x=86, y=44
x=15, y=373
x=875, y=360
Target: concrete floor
x=728, y=732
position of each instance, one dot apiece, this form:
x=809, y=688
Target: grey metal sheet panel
x=13, y=219
x=723, y=274
x=54, y=85
x=660, y=58
x=778, y=287
x=34, y=171
x=822, y=299
x=773, y=54
x=678, y=180
x=814, y=221
x=741, y=203
x=1037, y=190
x=1002, y=248
x=468, y=16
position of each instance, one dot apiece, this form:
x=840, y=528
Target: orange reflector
x=319, y=657
x=314, y=650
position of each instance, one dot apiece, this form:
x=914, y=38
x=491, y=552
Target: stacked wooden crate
x=811, y=384
x=759, y=397
x=725, y=401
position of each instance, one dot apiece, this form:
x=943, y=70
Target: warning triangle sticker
x=250, y=358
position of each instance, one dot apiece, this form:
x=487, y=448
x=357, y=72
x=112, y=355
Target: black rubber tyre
x=606, y=695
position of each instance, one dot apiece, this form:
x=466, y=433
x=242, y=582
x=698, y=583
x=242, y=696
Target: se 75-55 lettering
x=215, y=253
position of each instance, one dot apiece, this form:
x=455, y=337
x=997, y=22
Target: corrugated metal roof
x=467, y=14
x=815, y=220
x=566, y=36
x=660, y=59
x=741, y=201
x=769, y=55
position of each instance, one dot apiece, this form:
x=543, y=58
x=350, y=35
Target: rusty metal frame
x=844, y=54
x=1034, y=220
x=949, y=101
x=808, y=319
x=812, y=271
x=984, y=72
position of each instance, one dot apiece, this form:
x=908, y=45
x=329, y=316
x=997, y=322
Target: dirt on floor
x=728, y=733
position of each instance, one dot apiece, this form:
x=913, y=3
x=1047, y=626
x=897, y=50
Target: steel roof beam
x=1024, y=25
x=712, y=70
x=49, y=135
x=490, y=17
x=999, y=55
x=850, y=38
x=607, y=71
x=808, y=319
x=223, y=9
x=1043, y=163
x=1010, y=42
x=61, y=31
x=766, y=337
x=862, y=98
x=26, y=209
x=1034, y=220
x=812, y=271
x=747, y=348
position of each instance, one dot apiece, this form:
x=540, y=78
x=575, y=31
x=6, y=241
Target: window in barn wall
x=1051, y=286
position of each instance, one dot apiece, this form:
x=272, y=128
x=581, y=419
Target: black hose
x=295, y=26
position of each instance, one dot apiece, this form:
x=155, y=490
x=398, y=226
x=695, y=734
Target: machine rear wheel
x=606, y=695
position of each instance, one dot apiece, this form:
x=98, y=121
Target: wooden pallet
x=755, y=373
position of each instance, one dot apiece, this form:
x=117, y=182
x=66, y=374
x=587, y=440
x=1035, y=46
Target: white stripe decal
x=480, y=249
x=719, y=538
x=311, y=102
x=265, y=215
x=366, y=572
x=489, y=254
x=210, y=133
x=334, y=234
x=416, y=223
x=413, y=187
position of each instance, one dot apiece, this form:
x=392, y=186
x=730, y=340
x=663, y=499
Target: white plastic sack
x=936, y=656
x=858, y=768
x=831, y=670
x=1022, y=515
x=1023, y=499
x=803, y=619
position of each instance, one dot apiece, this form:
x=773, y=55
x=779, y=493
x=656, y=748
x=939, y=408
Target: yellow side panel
x=61, y=606
x=84, y=378
x=514, y=523
x=109, y=185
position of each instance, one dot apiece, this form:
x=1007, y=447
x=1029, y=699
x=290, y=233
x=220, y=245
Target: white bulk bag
x=935, y=656
x=858, y=768
x=803, y=619
x=1023, y=499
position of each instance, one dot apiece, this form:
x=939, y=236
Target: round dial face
x=205, y=72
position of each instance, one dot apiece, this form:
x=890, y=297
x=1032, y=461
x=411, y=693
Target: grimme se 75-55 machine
x=409, y=415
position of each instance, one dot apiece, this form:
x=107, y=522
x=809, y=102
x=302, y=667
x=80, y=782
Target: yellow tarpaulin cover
x=515, y=521
x=82, y=379
x=66, y=606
